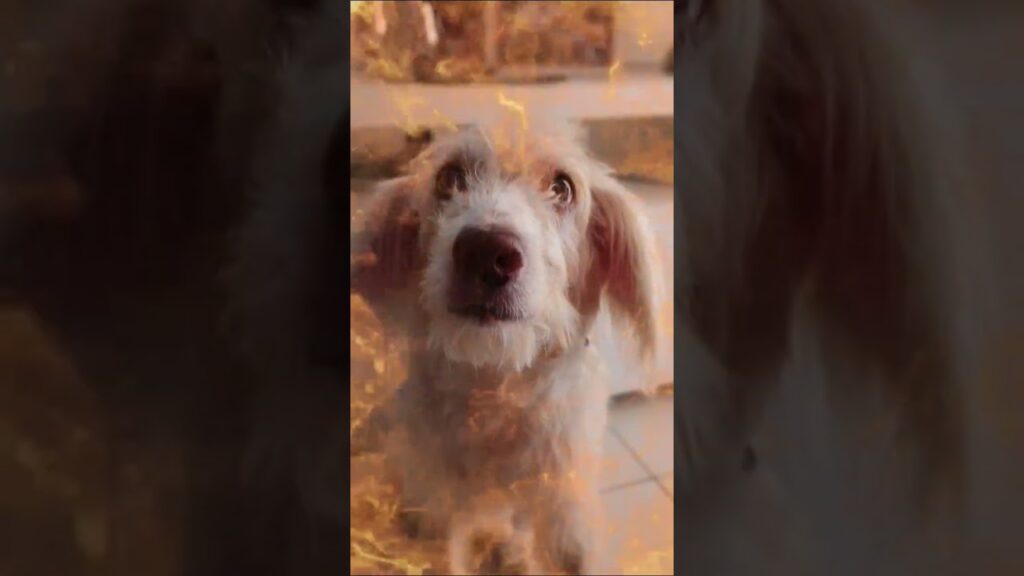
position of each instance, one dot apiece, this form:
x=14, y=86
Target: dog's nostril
x=509, y=262
x=491, y=257
x=506, y=264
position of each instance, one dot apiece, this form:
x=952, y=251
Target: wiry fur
x=817, y=203
x=501, y=425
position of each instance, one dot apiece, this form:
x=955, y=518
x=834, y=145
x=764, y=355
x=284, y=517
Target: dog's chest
x=519, y=426
x=505, y=436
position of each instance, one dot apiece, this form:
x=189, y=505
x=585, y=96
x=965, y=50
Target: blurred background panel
x=971, y=50
x=978, y=47
x=126, y=133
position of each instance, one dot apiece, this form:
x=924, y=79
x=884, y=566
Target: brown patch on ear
x=387, y=256
x=622, y=262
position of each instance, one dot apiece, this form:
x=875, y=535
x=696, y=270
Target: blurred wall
x=978, y=45
x=643, y=32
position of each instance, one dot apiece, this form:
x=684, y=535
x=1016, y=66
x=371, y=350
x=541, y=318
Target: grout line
x=661, y=484
x=646, y=468
x=625, y=454
x=623, y=485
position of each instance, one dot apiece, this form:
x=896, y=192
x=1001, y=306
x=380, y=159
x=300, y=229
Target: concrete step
x=638, y=147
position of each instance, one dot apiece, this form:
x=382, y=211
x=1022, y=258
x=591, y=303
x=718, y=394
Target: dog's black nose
x=491, y=257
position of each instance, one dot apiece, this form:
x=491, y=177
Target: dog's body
x=503, y=413
x=824, y=257
x=506, y=456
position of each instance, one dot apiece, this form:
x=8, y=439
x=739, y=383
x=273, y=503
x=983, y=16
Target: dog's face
x=503, y=239
x=511, y=240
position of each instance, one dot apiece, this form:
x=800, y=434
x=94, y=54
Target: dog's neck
x=435, y=369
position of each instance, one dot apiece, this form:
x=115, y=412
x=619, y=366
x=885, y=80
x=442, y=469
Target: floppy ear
x=386, y=255
x=623, y=260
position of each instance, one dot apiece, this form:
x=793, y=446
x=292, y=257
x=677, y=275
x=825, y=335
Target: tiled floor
x=637, y=486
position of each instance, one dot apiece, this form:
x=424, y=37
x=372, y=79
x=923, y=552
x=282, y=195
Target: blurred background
x=420, y=69
x=127, y=130
x=795, y=511
x=975, y=47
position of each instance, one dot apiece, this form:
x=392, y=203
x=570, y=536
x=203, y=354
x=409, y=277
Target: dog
x=823, y=245
x=495, y=254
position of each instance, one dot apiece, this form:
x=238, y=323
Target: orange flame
x=516, y=107
x=612, y=72
x=445, y=121
x=360, y=8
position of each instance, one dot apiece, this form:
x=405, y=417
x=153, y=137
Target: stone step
x=636, y=147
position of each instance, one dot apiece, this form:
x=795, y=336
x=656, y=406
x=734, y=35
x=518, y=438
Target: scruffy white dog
x=496, y=253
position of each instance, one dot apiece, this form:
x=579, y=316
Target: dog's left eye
x=562, y=189
x=450, y=180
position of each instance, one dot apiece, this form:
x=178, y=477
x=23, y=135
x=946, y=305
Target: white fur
x=500, y=425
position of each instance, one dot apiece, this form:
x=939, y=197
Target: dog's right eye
x=450, y=180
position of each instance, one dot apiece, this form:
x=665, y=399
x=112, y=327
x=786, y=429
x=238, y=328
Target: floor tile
x=619, y=465
x=640, y=530
x=668, y=482
x=646, y=427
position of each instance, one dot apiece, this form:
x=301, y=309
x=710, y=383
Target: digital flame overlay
x=379, y=545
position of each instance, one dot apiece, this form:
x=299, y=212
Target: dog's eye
x=562, y=189
x=450, y=180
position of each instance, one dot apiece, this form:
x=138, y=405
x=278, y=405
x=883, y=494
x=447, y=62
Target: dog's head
x=506, y=245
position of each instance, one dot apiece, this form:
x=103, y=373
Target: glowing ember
x=444, y=121
x=444, y=68
x=516, y=107
x=406, y=103
x=612, y=70
x=378, y=545
x=644, y=40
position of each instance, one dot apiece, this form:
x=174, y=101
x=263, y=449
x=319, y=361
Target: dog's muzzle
x=486, y=266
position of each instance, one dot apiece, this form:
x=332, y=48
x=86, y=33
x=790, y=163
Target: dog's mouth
x=489, y=313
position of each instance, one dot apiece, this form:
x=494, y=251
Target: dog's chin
x=487, y=314
x=487, y=337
